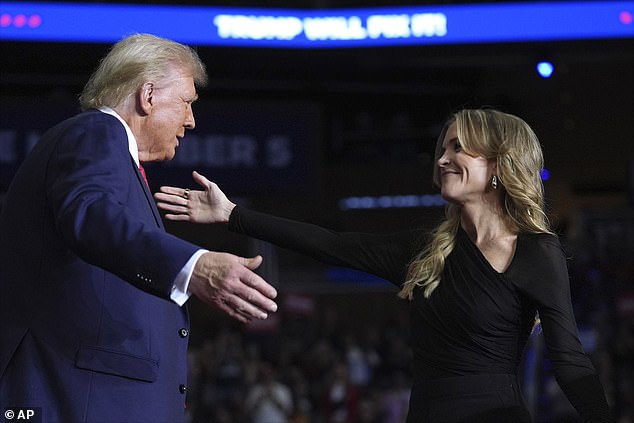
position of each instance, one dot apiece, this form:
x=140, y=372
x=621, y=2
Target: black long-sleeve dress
x=467, y=339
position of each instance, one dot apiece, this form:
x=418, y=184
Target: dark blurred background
x=360, y=127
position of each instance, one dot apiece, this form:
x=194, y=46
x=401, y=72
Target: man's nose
x=190, y=122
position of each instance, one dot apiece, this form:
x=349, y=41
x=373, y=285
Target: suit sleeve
x=94, y=209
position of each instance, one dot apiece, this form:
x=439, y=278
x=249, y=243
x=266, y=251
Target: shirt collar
x=132, y=145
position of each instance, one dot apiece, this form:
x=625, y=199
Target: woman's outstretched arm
x=384, y=255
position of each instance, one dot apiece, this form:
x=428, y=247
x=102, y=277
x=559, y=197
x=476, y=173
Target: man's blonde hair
x=133, y=61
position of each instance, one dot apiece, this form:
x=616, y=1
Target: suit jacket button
x=182, y=388
x=183, y=333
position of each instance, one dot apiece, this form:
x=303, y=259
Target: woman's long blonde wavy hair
x=509, y=141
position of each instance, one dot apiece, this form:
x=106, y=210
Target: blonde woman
x=475, y=284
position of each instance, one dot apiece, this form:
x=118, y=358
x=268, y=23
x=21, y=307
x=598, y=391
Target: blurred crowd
x=308, y=368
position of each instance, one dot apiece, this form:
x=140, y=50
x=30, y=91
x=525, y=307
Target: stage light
x=545, y=69
x=545, y=174
x=391, y=202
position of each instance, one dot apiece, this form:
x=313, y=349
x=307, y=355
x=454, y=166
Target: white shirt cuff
x=180, y=293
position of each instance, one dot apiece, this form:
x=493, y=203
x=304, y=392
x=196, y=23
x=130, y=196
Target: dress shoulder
x=539, y=264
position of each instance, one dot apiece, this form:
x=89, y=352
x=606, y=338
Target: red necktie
x=143, y=174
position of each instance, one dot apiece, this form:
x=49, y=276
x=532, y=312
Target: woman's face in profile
x=464, y=179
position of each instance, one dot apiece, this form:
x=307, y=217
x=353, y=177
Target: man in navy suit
x=92, y=322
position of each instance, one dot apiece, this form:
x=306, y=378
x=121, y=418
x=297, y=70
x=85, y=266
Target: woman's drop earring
x=494, y=182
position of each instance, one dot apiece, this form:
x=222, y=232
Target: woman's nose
x=443, y=160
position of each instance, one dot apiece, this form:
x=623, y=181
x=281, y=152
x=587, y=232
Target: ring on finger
x=186, y=194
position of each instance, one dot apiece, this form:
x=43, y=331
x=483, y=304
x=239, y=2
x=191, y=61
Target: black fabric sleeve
x=587, y=396
x=383, y=255
x=540, y=272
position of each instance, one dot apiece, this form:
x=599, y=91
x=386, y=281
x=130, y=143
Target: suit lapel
x=148, y=195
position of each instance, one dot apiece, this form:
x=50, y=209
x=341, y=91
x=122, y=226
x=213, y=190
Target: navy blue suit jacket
x=87, y=330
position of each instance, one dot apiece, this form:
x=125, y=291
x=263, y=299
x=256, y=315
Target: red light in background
x=20, y=21
x=5, y=20
x=35, y=21
x=625, y=17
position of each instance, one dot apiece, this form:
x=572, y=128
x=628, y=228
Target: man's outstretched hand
x=229, y=283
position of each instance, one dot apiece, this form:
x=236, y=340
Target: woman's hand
x=208, y=206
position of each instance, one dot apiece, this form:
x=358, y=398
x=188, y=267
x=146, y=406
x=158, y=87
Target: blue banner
x=290, y=28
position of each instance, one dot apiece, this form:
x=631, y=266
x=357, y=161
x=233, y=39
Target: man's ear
x=145, y=98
